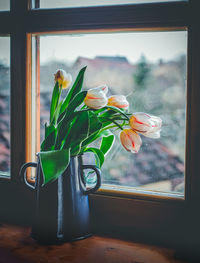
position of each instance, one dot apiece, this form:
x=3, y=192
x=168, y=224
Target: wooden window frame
x=138, y=216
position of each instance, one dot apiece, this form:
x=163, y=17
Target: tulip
x=148, y=125
x=130, y=140
x=63, y=78
x=96, y=98
x=118, y=101
x=103, y=88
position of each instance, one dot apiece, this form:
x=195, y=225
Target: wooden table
x=16, y=246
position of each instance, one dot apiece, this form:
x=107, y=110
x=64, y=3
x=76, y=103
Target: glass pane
x=4, y=105
x=4, y=5
x=79, y=3
x=153, y=78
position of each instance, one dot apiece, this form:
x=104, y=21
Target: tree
x=142, y=72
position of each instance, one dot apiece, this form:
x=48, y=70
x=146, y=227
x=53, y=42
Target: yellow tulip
x=63, y=78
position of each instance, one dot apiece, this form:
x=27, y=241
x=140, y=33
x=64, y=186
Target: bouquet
x=83, y=117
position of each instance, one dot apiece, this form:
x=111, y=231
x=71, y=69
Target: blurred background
x=147, y=67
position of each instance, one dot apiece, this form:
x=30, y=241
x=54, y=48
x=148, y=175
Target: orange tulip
x=118, y=101
x=148, y=125
x=130, y=140
x=63, y=78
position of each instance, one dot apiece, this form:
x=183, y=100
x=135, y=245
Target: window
x=84, y=3
x=162, y=217
x=118, y=59
x=4, y=5
x=5, y=106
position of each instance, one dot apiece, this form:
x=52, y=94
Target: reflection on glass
x=4, y=5
x=150, y=69
x=79, y=3
x=4, y=105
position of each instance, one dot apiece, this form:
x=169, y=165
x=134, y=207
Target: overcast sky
x=154, y=45
x=66, y=48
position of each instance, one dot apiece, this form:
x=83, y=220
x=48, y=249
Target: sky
x=66, y=48
x=154, y=45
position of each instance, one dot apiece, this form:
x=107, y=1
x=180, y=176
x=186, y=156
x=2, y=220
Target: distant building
x=116, y=72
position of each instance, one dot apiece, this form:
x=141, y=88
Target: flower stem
x=119, y=126
x=108, y=128
x=117, y=110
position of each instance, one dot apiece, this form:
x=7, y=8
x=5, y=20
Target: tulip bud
x=130, y=140
x=63, y=78
x=118, y=101
x=96, y=98
x=148, y=125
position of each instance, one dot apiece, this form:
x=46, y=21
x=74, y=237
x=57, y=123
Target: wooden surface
x=16, y=246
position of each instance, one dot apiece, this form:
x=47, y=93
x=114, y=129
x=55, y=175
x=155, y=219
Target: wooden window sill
x=16, y=246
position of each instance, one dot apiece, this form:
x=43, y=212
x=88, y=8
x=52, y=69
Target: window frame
x=137, y=215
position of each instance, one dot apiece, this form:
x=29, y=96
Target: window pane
x=4, y=105
x=153, y=78
x=4, y=5
x=79, y=3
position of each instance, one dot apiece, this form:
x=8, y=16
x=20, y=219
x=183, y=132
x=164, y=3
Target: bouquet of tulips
x=82, y=117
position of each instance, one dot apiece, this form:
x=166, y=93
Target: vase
x=62, y=206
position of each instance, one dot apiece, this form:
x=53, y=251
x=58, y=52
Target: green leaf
x=99, y=133
x=49, y=141
x=99, y=156
x=75, y=102
x=56, y=113
x=48, y=129
x=107, y=143
x=63, y=132
x=53, y=164
x=108, y=114
x=54, y=100
x=79, y=132
x=95, y=124
x=91, y=138
x=75, y=89
x=64, y=124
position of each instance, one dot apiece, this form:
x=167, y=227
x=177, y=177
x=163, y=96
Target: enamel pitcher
x=62, y=207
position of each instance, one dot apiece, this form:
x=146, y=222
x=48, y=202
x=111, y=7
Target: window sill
x=17, y=246
x=139, y=193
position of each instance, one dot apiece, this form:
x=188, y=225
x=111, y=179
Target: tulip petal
x=118, y=101
x=103, y=88
x=130, y=140
x=153, y=135
x=63, y=78
x=147, y=125
x=95, y=98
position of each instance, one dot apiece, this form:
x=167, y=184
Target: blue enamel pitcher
x=62, y=207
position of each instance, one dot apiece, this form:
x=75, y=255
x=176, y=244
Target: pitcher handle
x=23, y=173
x=98, y=183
